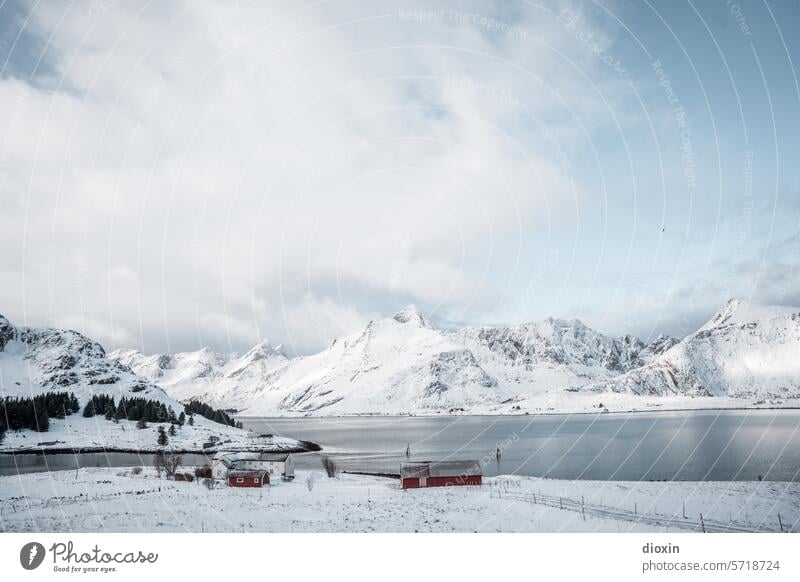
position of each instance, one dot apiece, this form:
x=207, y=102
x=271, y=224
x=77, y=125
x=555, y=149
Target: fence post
x=780, y=522
x=635, y=508
x=684, y=510
x=702, y=523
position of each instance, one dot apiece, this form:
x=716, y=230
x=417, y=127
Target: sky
x=183, y=174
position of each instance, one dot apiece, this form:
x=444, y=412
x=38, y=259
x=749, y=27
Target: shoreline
x=528, y=414
x=308, y=448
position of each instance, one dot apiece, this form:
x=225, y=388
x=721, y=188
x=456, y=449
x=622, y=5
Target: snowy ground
x=115, y=500
x=97, y=433
x=565, y=402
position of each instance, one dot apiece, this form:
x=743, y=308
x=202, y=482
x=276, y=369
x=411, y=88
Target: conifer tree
x=75, y=406
x=162, y=437
x=88, y=410
x=42, y=420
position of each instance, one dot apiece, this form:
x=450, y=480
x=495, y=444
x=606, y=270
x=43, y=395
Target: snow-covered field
x=96, y=433
x=116, y=500
x=566, y=402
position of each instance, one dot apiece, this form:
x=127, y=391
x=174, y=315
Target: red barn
x=248, y=478
x=440, y=474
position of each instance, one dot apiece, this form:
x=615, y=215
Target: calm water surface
x=710, y=445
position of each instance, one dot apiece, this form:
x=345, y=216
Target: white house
x=276, y=464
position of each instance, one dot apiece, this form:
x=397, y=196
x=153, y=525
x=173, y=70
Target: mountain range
x=406, y=364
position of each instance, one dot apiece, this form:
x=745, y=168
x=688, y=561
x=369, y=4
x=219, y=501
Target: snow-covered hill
x=744, y=351
x=404, y=364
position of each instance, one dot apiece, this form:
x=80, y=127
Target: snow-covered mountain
x=36, y=360
x=553, y=353
x=394, y=365
x=403, y=364
x=744, y=351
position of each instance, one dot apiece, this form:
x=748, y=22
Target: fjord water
x=690, y=446
x=733, y=445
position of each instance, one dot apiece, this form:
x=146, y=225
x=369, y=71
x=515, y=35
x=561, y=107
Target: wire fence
x=701, y=524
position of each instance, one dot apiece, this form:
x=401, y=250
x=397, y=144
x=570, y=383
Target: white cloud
x=216, y=173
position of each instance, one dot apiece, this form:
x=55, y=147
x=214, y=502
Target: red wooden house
x=242, y=478
x=440, y=474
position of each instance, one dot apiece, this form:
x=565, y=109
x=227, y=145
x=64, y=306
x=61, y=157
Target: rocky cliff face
x=744, y=351
x=555, y=342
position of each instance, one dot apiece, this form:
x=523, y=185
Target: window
x=240, y=479
x=255, y=480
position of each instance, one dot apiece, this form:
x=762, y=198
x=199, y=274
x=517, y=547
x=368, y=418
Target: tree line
x=203, y=409
x=35, y=413
x=138, y=408
x=134, y=408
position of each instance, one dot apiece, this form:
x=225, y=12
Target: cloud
x=217, y=173
x=99, y=330
x=221, y=153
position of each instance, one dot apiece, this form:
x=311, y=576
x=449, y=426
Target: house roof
x=440, y=469
x=230, y=457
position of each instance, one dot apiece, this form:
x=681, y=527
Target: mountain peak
x=264, y=349
x=742, y=311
